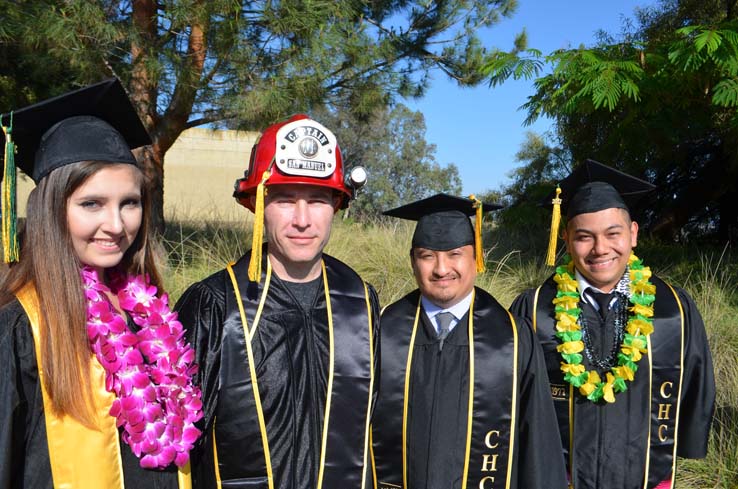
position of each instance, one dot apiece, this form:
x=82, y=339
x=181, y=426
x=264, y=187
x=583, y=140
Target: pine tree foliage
x=245, y=64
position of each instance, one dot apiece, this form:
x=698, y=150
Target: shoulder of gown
x=201, y=310
x=22, y=431
x=522, y=305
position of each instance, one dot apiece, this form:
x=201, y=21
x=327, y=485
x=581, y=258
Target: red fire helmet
x=296, y=151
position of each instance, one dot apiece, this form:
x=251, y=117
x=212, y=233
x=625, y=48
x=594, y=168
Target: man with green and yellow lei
x=626, y=353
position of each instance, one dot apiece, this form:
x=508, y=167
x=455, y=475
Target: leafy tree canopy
x=659, y=103
x=248, y=63
x=391, y=146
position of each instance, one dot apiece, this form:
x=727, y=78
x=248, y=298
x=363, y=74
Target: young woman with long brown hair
x=95, y=377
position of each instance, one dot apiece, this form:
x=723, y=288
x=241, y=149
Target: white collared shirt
x=584, y=285
x=457, y=310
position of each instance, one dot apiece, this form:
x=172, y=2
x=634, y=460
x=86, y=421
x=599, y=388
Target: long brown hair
x=49, y=262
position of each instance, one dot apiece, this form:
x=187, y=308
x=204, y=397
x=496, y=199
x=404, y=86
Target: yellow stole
x=81, y=456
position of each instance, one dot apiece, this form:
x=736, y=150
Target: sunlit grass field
x=379, y=251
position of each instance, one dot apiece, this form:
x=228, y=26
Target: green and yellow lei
x=569, y=333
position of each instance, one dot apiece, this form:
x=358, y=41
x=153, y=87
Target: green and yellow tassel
x=478, y=249
x=555, y=221
x=9, y=216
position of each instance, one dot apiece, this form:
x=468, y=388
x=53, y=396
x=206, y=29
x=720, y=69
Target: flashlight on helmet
x=355, y=179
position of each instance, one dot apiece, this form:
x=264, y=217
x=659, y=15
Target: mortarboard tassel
x=555, y=221
x=258, y=234
x=10, y=238
x=478, y=234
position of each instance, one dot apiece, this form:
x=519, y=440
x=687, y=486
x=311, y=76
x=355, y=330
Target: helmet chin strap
x=258, y=232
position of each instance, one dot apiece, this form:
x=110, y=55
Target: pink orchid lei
x=149, y=371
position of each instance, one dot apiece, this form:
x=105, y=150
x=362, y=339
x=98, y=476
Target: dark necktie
x=602, y=299
x=443, y=319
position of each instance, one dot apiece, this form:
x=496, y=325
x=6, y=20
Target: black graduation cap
x=96, y=122
x=443, y=222
x=593, y=187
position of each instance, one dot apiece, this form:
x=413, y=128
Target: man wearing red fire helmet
x=286, y=338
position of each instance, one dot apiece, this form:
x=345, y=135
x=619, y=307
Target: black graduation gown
x=438, y=406
x=24, y=453
x=611, y=440
x=290, y=352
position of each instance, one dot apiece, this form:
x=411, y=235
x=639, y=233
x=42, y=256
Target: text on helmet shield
x=318, y=166
x=302, y=131
x=304, y=148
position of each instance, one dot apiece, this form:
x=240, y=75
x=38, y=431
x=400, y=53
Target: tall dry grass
x=380, y=253
x=713, y=288
x=193, y=250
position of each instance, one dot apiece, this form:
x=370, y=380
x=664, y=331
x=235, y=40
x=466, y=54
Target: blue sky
x=480, y=129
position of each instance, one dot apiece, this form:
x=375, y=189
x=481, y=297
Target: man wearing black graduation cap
x=627, y=354
x=464, y=398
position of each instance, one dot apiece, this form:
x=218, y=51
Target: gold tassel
x=10, y=238
x=478, y=234
x=258, y=234
x=555, y=221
